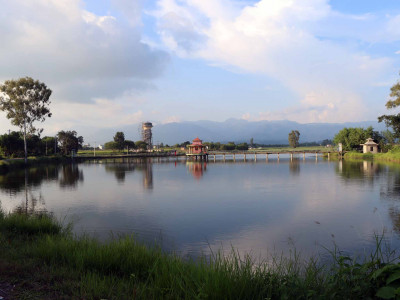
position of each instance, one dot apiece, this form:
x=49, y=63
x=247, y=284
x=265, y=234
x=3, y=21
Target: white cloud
x=171, y=119
x=101, y=113
x=246, y=116
x=79, y=55
x=282, y=39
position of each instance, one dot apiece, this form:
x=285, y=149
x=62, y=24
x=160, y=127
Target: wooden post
x=329, y=155
x=244, y=158
x=278, y=156
x=234, y=157
x=224, y=157
x=255, y=156
x=316, y=156
x=291, y=156
x=266, y=156
x=304, y=156
x=214, y=157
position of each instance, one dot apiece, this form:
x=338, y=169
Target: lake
x=260, y=207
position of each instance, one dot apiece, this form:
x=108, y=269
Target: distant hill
x=236, y=130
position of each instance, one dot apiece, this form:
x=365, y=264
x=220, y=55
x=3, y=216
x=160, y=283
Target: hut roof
x=370, y=142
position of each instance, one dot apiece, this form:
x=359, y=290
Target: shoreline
x=43, y=260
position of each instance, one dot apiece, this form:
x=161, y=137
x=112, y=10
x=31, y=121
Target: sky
x=113, y=63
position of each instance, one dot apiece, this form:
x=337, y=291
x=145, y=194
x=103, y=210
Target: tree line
x=120, y=143
x=13, y=144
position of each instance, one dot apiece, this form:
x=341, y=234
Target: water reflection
x=147, y=169
x=120, y=169
x=254, y=206
x=359, y=170
x=294, y=166
x=70, y=176
x=196, y=168
x=15, y=182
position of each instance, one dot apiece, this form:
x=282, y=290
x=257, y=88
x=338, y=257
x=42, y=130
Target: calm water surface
x=192, y=208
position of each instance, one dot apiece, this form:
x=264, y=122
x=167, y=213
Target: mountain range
x=235, y=130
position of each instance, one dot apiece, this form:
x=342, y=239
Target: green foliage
x=229, y=146
x=393, y=121
x=395, y=96
x=68, y=141
x=119, y=140
x=22, y=224
x=352, y=138
x=130, y=144
x=110, y=145
x=141, y=145
x=293, y=138
x=25, y=101
x=212, y=145
x=11, y=144
x=242, y=146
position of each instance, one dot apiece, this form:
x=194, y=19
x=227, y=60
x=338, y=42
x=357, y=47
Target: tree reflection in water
x=25, y=181
x=120, y=169
x=294, y=166
x=70, y=176
x=123, y=166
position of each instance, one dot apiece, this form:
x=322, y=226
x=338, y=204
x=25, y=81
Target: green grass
x=392, y=155
x=45, y=261
x=101, y=152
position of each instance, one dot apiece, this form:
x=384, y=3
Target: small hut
x=370, y=146
x=197, y=149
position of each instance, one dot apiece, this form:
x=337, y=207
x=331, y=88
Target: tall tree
x=119, y=139
x=293, y=138
x=393, y=121
x=69, y=141
x=25, y=101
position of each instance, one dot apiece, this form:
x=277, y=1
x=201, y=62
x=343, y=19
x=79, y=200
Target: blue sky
x=112, y=63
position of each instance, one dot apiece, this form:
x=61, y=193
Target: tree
x=142, y=145
x=352, y=138
x=69, y=141
x=130, y=144
x=393, y=121
x=294, y=137
x=251, y=142
x=49, y=143
x=110, y=145
x=242, y=146
x=11, y=144
x=119, y=139
x=25, y=100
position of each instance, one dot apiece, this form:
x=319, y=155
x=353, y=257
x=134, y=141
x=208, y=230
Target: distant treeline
x=12, y=144
x=246, y=146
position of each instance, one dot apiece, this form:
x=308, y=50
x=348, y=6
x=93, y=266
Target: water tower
x=147, y=136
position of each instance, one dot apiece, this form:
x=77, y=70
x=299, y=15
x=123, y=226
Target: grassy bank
x=392, y=155
x=44, y=261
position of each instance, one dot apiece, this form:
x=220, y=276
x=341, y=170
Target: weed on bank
x=45, y=261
